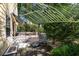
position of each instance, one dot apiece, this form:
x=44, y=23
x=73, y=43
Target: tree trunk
x=53, y=42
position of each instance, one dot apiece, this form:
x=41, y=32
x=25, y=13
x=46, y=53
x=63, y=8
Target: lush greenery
x=30, y=28
x=20, y=28
x=60, y=23
x=62, y=31
x=66, y=50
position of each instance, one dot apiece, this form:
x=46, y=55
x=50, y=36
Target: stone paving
x=26, y=38
x=24, y=41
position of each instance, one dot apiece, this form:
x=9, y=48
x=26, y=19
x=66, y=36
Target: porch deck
x=21, y=41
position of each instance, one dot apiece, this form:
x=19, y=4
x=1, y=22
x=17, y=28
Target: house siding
x=5, y=9
x=3, y=43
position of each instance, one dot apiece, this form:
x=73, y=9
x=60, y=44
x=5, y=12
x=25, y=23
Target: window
x=7, y=25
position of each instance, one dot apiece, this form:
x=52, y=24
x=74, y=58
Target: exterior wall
x=12, y=8
x=3, y=19
x=6, y=8
x=3, y=44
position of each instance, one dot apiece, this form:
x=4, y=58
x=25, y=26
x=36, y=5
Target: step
x=10, y=51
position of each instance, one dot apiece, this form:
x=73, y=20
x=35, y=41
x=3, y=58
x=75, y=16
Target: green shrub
x=30, y=28
x=66, y=50
x=20, y=28
x=40, y=29
x=62, y=31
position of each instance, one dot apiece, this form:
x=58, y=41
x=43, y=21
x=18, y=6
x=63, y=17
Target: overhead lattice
x=46, y=14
